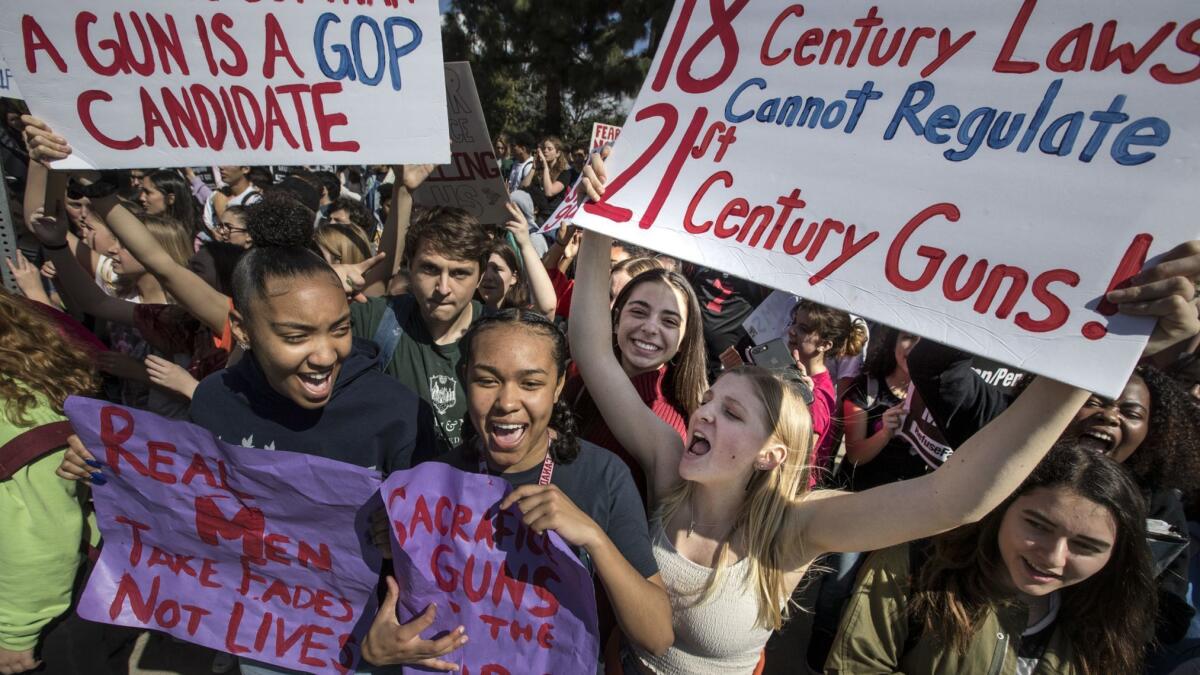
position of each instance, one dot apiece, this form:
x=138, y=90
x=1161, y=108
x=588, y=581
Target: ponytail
x=565, y=447
x=856, y=342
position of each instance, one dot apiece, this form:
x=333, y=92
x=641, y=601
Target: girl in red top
x=659, y=341
x=818, y=332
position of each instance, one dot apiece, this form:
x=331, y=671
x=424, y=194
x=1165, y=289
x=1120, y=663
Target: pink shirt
x=824, y=400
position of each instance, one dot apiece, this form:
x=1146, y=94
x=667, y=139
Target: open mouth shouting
x=316, y=386
x=1098, y=439
x=699, y=445
x=507, y=435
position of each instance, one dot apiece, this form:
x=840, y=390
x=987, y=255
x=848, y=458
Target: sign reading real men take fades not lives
x=187, y=83
x=978, y=173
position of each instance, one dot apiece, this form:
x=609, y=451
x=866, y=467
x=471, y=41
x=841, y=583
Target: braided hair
x=565, y=447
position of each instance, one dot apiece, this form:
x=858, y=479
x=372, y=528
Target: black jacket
x=371, y=420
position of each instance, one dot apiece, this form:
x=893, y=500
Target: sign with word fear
x=979, y=174
x=135, y=83
x=526, y=602
x=604, y=134
x=471, y=181
x=262, y=554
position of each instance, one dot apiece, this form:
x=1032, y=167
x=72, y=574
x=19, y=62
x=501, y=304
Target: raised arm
x=989, y=466
x=654, y=443
x=80, y=288
x=550, y=187
x=976, y=478
x=541, y=289
x=396, y=227
x=193, y=293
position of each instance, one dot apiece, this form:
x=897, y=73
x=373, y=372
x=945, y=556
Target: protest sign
x=604, y=134
x=472, y=179
x=979, y=174
x=527, y=603
x=135, y=83
x=8, y=84
x=770, y=319
x=261, y=554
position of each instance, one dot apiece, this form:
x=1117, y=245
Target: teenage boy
x=418, y=332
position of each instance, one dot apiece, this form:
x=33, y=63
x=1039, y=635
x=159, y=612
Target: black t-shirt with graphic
x=898, y=460
x=427, y=368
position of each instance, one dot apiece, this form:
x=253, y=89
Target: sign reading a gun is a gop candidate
x=132, y=83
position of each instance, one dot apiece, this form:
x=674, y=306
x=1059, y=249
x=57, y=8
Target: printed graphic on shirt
x=442, y=392
x=248, y=442
x=922, y=433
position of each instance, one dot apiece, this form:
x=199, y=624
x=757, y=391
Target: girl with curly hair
x=43, y=521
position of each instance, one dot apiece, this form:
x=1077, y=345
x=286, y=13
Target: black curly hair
x=1170, y=455
x=565, y=448
x=280, y=221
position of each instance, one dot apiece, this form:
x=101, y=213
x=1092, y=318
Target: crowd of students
x=1037, y=530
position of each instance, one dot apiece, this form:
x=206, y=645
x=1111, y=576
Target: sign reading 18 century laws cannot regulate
x=978, y=173
x=134, y=83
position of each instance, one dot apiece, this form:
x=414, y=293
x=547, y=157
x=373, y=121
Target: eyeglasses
x=228, y=228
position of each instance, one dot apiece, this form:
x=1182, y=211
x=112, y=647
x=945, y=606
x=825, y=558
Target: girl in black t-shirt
x=874, y=410
x=513, y=368
x=552, y=179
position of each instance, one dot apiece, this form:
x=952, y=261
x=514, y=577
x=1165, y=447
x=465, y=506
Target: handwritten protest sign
x=8, y=84
x=134, y=83
x=526, y=602
x=255, y=553
x=472, y=179
x=979, y=174
x=604, y=134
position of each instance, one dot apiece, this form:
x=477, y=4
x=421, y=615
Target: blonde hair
x=769, y=496
x=343, y=241
x=176, y=240
x=560, y=165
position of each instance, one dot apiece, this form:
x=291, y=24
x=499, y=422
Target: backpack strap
x=388, y=332
x=32, y=445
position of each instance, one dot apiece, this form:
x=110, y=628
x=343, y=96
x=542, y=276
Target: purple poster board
x=262, y=554
x=527, y=603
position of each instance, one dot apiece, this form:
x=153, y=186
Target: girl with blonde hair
x=735, y=526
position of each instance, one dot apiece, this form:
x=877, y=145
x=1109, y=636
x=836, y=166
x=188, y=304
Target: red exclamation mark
x=1130, y=265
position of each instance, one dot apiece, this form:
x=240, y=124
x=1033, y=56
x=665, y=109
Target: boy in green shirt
x=446, y=250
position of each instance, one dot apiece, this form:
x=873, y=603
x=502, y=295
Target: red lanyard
x=547, y=466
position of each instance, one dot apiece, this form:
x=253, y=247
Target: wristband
x=56, y=247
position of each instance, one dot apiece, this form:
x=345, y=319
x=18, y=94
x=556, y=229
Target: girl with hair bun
x=816, y=334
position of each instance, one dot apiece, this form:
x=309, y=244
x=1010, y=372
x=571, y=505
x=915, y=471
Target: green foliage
x=547, y=67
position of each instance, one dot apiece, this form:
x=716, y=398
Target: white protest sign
x=771, y=318
x=471, y=180
x=604, y=134
x=977, y=173
x=186, y=83
x=8, y=84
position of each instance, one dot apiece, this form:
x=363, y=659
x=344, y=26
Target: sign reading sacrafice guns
x=979, y=174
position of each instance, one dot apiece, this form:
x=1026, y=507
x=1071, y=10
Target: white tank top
x=721, y=635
